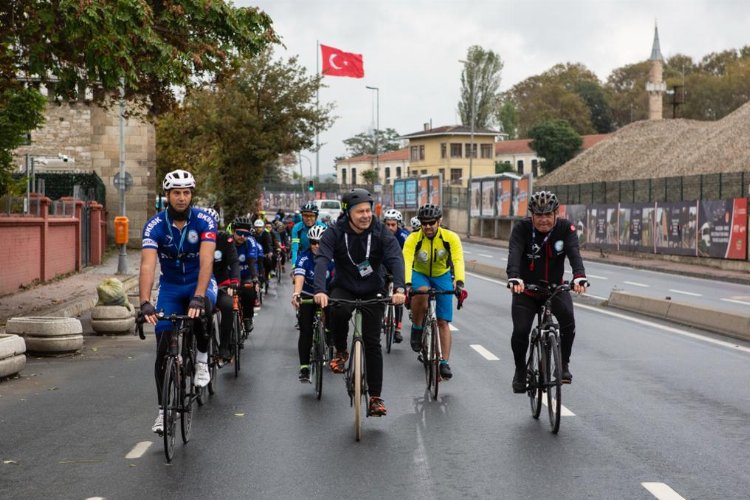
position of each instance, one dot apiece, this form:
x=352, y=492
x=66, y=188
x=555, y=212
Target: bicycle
x=389, y=321
x=319, y=353
x=431, y=353
x=278, y=266
x=544, y=364
x=236, y=337
x=178, y=385
x=355, y=376
x=214, y=358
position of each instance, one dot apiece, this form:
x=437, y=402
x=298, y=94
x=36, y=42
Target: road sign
x=117, y=181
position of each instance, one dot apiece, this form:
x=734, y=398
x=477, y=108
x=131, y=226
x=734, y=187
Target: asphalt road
x=654, y=411
x=604, y=278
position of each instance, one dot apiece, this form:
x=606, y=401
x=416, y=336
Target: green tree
x=233, y=133
x=20, y=111
x=507, y=117
x=626, y=87
x=555, y=141
x=595, y=98
x=370, y=176
x=480, y=83
x=364, y=144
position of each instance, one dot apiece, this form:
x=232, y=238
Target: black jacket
x=384, y=251
x=543, y=260
x=226, y=261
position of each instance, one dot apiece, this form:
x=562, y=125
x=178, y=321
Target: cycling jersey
x=401, y=234
x=306, y=267
x=434, y=257
x=300, y=243
x=249, y=253
x=226, y=261
x=179, y=249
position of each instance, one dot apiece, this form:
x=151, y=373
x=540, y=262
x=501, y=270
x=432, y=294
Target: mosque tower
x=655, y=85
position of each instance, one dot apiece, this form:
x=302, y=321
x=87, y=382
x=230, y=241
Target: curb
x=76, y=308
x=726, y=323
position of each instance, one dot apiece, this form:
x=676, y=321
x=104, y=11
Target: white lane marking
x=662, y=491
x=737, y=301
x=635, y=283
x=466, y=252
x=452, y=328
x=564, y=412
x=692, y=294
x=644, y=322
x=95, y=498
x=670, y=329
x=597, y=277
x=485, y=255
x=504, y=258
x=138, y=450
x=484, y=352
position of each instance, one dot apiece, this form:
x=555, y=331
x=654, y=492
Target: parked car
x=331, y=208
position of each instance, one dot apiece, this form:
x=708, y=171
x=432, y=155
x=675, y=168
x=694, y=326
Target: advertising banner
x=476, y=200
x=436, y=190
x=504, y=195
x=521, y=196
x=411, y=193
x=676, y=227
x=723, y=229
x=399, y=193
x=422, y=195
x=488, y=198
x=603, y=226
x=576, y=214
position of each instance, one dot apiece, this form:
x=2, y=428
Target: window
x=354, y=175
x=417, y=153
x=456, y=175
x=398, y=172
x=421, y=152
x=441, y=171
x=535, y=168
x=455, y=150
x=443, y=149
x=486, y=151
x=424, y=171
x=468, y=148
x=520, y=166
x=343, y=176
x=387, y=174
x=330, y=204
x=414, y=173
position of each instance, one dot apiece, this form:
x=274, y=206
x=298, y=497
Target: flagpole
x=317, y=108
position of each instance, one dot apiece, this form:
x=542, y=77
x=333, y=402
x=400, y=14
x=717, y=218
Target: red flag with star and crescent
x=339, y=63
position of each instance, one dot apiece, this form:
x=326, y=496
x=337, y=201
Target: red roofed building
x=393, y=165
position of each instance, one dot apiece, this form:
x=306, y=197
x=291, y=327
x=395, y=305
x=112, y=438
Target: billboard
x=722, y=229
x=422, y=195
x=435, y=190
x=399, y=193
x=476, y=200
x=488, y=198
x=411, y=193
x=504, y=194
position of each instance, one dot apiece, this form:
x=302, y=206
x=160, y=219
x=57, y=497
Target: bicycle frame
x=431, y=352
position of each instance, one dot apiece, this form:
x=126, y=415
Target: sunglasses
x=429, y=222
x=243, y=234
x=314, y=242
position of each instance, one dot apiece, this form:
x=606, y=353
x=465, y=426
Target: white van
x=331, y=208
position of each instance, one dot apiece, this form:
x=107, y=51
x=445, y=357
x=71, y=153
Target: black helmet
x=309, y=207
x=242, y=222
x=429, y=212
x=355, y=197
x=543, y=202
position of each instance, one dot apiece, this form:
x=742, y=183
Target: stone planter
x=48, y=335
x=12, y=357
x=112, y=320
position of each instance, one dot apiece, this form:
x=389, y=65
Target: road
x=604, y=278
x=654, y=411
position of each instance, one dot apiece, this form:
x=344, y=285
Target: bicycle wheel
x=236, y=335
x=425, y=352
x=278, y=269
x=554, y=388
x=389, y=326
x=435, y=363
x=187, y=392
x=319, y=358
x=213, y=354
x=170, y=397
x=357, y=402
x=534, y=378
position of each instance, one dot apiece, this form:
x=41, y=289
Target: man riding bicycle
x=250, y=256
x=360, y=245
x=434, y=258
x=300, y=242
x=537, y=250
x=183, y=238
x=394, y=221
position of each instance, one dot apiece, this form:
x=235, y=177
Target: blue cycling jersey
x=250, y=249
x=300, y=242
x=179, y=249
x=401, y=235
x=306, y=267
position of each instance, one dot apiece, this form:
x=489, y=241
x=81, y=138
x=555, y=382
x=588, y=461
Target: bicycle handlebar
x=550, y=288
x=174, y=318
x=432, y=291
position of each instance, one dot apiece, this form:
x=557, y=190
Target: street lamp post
x=377, y=129
x=122, y=259
x=472, y=113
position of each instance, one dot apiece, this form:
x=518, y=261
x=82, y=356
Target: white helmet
x=213, y=213
x=415, y=223
x=178, y=179
x=393, y=214
x=259, y=223
x=315, y=232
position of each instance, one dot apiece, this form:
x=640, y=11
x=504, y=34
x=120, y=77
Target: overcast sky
x=411, y=48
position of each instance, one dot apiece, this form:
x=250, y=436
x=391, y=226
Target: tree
x=231, y=134
x=364, y=144
x=507, y=117
x=20, y=111
x=594, y=97
x=556, y=142
x=480, y=83
x=626, y=86
x=370, y=176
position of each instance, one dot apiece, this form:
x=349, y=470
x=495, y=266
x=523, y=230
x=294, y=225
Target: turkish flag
x=339, y=63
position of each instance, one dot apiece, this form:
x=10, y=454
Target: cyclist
x=415, y=224
x=265, y=240
x=299, y=232
x=283, y=243
x=537, y=250
x=434, y=258
x=183, y=238
x=304, y=279
x=394, y=221
x=250, y=255
x=227, y=275
x=360, y=245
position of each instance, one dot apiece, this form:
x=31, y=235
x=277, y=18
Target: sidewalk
x=69, y=296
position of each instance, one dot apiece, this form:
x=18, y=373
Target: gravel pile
x=664, y=148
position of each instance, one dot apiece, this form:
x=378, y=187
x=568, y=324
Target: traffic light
x=310, y=186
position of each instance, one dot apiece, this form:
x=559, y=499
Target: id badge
x=364, y=268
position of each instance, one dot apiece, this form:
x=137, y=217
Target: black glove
x=147, y=309
x=197, y=302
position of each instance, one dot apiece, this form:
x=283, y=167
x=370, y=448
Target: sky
x=411, y=48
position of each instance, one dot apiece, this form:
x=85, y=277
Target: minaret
x=655, y=86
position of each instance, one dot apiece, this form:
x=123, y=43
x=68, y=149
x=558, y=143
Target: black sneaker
x=397, y=337
x=445, y=371
x=567, y=377
x=519, y=381
x=304, y=374
x=416, y=340
x=248, y=324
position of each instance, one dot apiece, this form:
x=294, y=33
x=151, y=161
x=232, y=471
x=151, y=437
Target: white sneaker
x=202, y=377
x=158, y=426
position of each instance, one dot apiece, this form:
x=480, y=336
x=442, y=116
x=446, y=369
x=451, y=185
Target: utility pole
x=377, y=130
x=122, y=260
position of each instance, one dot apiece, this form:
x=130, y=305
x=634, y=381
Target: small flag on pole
x=339, y=63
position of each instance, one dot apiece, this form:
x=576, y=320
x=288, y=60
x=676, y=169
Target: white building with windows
x=390, y=165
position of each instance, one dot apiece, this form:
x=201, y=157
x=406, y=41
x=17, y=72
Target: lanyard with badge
x=535, y=249
x=364, y=267
x=182, y=236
